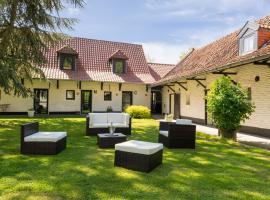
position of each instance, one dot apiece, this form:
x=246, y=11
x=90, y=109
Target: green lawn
x=215, y=170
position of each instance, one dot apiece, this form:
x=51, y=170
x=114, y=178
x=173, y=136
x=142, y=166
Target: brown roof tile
x=93, y=61
x=218, y=54
x=159, y=70
x=119, y=55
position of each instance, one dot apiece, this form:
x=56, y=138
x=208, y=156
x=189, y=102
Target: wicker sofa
x=41, y=143
x=99, y=123
x=181, y=134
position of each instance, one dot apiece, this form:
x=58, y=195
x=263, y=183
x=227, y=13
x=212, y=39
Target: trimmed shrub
x=138, y=112
x=228, y=105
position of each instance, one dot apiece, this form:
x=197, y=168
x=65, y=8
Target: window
x=248, y=43
x=107, y=96
x=67, y=62
x=187, y=99
x=70, y=94
x=119, y=66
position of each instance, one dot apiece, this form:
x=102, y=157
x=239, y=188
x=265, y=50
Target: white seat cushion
x=165, y=133
x=140, y=147
x=100, y=125
x=45, y=137
x=184, y=121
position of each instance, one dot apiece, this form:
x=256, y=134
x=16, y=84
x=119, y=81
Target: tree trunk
x=228, y=134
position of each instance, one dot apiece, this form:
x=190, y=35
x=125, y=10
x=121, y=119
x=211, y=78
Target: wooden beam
x=180, y=84
x=101, y=85
x=265, y=63
x=234, y=82
x=57, y=84
x=170, y=88
x=120, y=86
x=201, y=84
x=194, y=79
x=225, y=73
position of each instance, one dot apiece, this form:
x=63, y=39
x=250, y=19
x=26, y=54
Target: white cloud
x=162, y=52
x=227, y=11
x=165, y=52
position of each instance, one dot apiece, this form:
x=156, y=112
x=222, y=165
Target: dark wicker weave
x=109, y=141
x=95, y=131
x=179, y=136
x=138, y=162
x=39, y=148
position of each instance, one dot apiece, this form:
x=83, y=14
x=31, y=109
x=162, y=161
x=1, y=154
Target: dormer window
x=119, y=62
x=67, y=62
x=248, y=38
x=119, y=66
x=67, y=58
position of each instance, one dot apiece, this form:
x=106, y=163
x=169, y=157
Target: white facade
x=57, y=101
x=260, y=94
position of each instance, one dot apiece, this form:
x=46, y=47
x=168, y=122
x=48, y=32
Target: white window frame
x=253, y=47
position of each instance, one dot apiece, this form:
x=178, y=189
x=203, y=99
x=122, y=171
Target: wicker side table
x=107, y=140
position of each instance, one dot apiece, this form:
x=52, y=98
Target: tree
x=26, y=28
x=228, y=105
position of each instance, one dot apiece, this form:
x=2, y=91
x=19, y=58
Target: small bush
x=228, y=105
x=138, y=112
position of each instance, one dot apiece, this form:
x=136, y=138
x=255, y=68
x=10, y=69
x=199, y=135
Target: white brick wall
x=246, y=77
x=58, y=102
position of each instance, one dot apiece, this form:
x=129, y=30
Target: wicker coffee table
x=107, y=140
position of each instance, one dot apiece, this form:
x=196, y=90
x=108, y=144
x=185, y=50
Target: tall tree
x=26, y=27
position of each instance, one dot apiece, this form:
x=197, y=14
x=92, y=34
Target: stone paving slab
x=241, y=137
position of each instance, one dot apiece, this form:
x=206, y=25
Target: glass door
x=86, y=101
x=126, y=99
x=156, y=102
x=41, y=101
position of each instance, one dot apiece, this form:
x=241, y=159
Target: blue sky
x=165, y=28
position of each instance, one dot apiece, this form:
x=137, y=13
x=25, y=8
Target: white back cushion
x=98, y=118
x=184, y=121
x=116, y=118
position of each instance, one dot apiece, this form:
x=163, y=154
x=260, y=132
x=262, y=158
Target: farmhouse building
x=85, y=75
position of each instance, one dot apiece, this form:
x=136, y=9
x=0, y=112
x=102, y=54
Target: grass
x=217, y=169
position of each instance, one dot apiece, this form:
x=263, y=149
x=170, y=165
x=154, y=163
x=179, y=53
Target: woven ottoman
x=138, y=155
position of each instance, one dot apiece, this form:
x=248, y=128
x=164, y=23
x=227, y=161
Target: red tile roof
x=216, y=55
x=119, y=55
x=93, y=63
x=159, y=70
x=68, y=50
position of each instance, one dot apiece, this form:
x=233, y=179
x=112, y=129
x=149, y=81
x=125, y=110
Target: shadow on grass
x=215, y=170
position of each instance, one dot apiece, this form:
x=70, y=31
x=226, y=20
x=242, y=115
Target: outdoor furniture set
x=111, y=130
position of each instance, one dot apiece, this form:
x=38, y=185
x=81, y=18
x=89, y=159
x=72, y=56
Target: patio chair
x=181, y=134
x=41, y=143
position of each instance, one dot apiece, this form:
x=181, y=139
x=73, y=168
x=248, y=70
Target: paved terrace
x=244, y=138
x=241, y=137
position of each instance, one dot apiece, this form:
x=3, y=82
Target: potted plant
x=228, y=105
x=31, y=112
x=109, y=109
